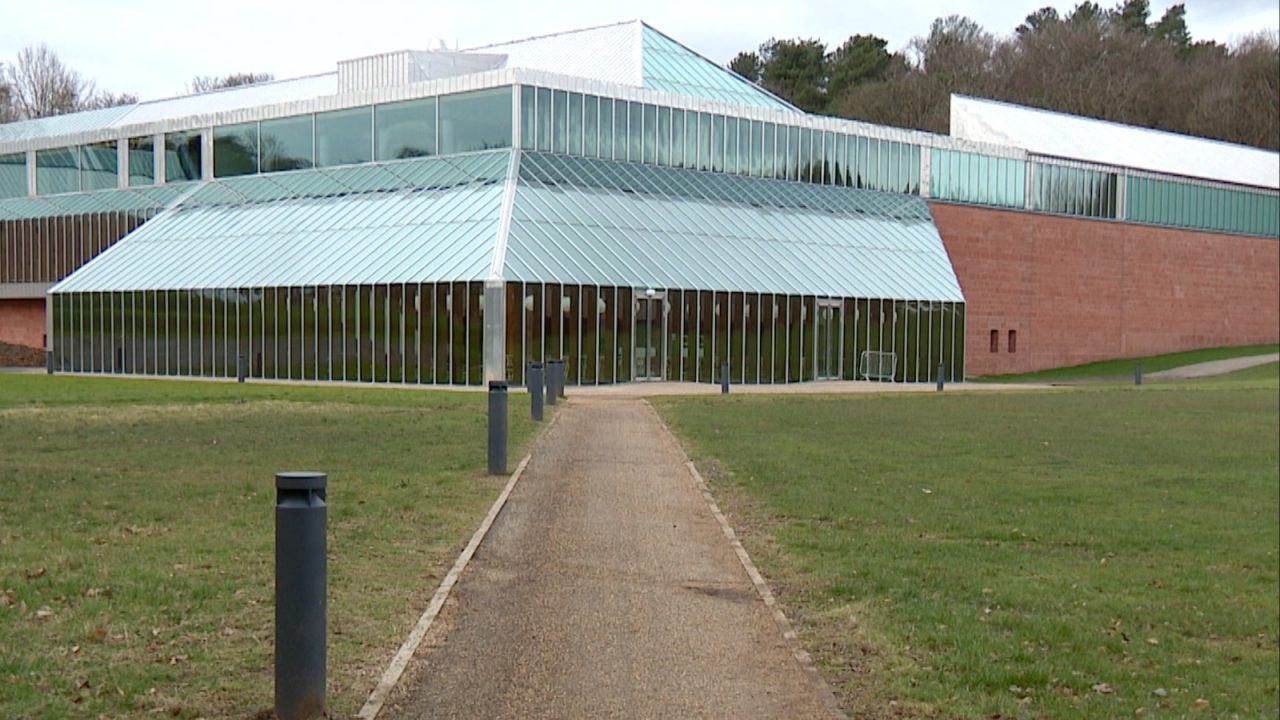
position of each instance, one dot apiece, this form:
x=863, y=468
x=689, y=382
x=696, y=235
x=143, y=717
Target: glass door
x=828, y=340
x=649, y=334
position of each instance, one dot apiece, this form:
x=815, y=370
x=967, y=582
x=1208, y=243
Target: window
x=142, y=161
x=405, y=129
x=235, y=150
x=1013, y=341
x=288, y=143
x=182, y=156
x=98, y=166
x=344, y=137
x=13, y=175
x=473, y=121
x=995, y=341
x=57, y=171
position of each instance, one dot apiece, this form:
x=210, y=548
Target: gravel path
x=606, y=589
x=1214, y=367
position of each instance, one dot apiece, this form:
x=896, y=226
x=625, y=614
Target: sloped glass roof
x=408, y=221
x=571, y=220
x=674, y=68
x=131, y=200
x=590, y=221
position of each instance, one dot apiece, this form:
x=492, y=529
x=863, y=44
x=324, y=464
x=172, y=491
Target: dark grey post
x=724, y=378
x=240, y=367
x=497, y=427
x=534, y=383
x=552, y=392
x=1137, y=374
x=301, y=575
x=48, y=361
x=560, y=377
x=942, y=375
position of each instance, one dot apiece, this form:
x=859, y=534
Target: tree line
x=1117, y=64
x=37, y=83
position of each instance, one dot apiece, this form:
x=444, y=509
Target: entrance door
x=828, y=350
x=649, y=335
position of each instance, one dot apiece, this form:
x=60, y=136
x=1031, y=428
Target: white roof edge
x=1062, y=135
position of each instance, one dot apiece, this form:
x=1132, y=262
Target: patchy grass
x=1097, y=552
x=136, y=534
x=1122, y=369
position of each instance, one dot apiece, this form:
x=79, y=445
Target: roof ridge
x=544, y=36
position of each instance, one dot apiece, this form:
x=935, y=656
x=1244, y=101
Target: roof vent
x=411, y=66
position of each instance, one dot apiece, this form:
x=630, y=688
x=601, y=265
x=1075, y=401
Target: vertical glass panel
x=731, y=145
x=235, y=150
x=559, y=121
x=344, y=137
x=664, y=136
x=570, y=325
x=606, y=313
x=552, y=320
x=704, y=329
x=678, y=143
x=532, y=322
x=13, y=175
x=513, y=343
x=287, y=143
x=378, y=340
x=768, y=157
x=57, y=171
x=472, y=121
x=591, y=126
x=737, y=337
x=621, y=112
x=635, y=132
x=475, y=333
x=142, y=162
x=704, y=141
x=182, y=156
x=575, y=124
x=650, y=150
x=405, y=129
x=544, y=118
x=606, y=128
x=99, y=166
x=410, y=340
x=457, y=306
x=717, y=142
x=625, y=350
x=528, y=117
x=589, y=336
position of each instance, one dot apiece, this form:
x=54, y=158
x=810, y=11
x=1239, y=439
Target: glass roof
x=674, y=68
x=570, y=220
x=590, y=221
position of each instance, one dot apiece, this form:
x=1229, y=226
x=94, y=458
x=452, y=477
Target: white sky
x=154, y=47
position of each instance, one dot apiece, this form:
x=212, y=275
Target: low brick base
x=22, y=322
x=1076, y=290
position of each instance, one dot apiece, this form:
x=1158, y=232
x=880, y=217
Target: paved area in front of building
x=819, y=387
x=1214, y=367
x=606, y=589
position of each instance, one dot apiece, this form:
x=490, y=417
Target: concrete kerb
x=802, y=656
x=395, y=669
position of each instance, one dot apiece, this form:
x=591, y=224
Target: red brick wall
x=1080, y=290
x=22, y=322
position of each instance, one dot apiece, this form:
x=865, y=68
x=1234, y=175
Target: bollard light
x=240, y=368
x=724, y=378
x=48, y=361
x=1137, y=373
x=301, y=577
x=552, y=393
x=942, y=375
x=497, y=427
x=534, y=384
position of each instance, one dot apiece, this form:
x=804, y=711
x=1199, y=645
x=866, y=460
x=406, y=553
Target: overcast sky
x=154, y=47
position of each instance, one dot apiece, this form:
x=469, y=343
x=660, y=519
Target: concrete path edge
x=802, y=656
x=395, y=669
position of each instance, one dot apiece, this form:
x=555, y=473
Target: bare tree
x=205, y=83
x=40, y=84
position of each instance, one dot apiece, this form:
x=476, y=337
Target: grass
x=1096, y=552
x=136, y=534
x=1123, y=368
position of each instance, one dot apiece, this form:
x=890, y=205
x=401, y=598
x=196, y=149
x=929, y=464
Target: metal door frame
x=658, y=298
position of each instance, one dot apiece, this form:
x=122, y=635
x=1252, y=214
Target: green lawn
x=1123, y=369
x=136, y=534
x=1096, y=552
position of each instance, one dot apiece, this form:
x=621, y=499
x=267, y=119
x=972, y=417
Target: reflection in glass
x=287, y=144
x=344, y=137
x=405, y=129
x=235, y=150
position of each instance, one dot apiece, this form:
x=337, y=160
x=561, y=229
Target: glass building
x=606, y=196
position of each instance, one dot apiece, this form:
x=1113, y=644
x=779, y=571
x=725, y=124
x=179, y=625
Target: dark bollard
x=301, y=576
x=535, y=389
x=724, y=378
x=497, y=427
x=1137, y=374
x=240, y=368
x=560, y=377
x=552, y=393
x=48, y=361
x=942, y=375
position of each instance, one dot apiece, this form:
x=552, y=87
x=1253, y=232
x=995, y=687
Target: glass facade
x=57, y=171
x=235, y=150
x=99, y=166
x=344, y=137
x=405, y=129
x=286, y=144
x=977, y=179
x=1073, y=191
x=1192, y=205
x=45, y=250
x=473, y=121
